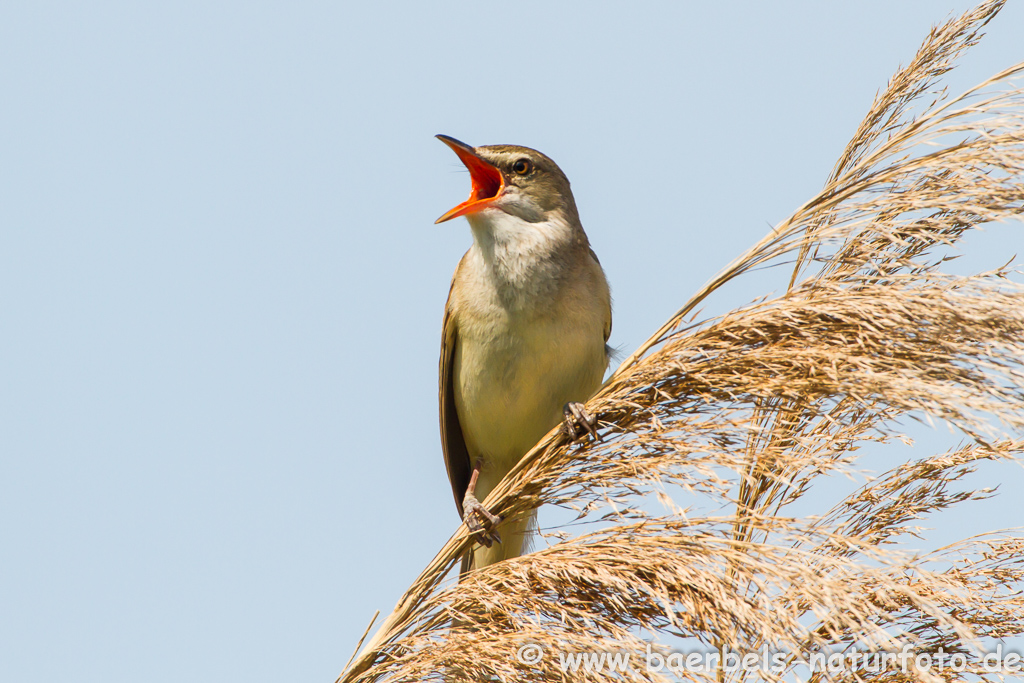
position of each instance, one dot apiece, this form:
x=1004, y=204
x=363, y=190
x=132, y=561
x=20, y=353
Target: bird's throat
x=522, y=259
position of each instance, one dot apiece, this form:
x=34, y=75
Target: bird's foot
x=480, y=521
x=577, y=422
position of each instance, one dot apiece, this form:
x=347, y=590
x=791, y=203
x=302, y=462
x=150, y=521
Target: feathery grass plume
x=741, y=415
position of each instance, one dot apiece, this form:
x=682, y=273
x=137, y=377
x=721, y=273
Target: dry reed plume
x=737, y=418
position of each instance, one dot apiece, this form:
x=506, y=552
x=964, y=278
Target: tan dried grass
x=747, y=411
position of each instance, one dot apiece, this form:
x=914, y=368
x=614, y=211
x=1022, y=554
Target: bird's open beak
x=487, y=180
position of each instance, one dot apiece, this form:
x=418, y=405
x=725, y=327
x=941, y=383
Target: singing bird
x=524, y=339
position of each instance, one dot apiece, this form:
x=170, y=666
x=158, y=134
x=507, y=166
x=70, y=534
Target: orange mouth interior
x=487, y=184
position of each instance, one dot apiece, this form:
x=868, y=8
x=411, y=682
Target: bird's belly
x=510, y=388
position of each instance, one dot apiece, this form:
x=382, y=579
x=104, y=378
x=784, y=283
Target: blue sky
x=221, y=287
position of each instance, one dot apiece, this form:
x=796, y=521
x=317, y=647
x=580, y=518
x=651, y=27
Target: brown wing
x=456, y=455
x=608, y=310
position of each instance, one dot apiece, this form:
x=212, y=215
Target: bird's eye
x=522, y=166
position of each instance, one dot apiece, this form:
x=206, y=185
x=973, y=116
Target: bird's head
x=518, y=181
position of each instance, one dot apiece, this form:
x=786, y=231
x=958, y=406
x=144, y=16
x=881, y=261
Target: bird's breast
x=515, y=372
x=531, y=309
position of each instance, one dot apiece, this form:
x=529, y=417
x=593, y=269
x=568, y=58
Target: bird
x=524, y=339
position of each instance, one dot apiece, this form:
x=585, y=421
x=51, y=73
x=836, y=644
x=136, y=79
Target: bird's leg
x=478, y=519
x=577, y=421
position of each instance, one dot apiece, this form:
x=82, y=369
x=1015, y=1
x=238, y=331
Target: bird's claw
x=577, y=422
x=480, y=522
